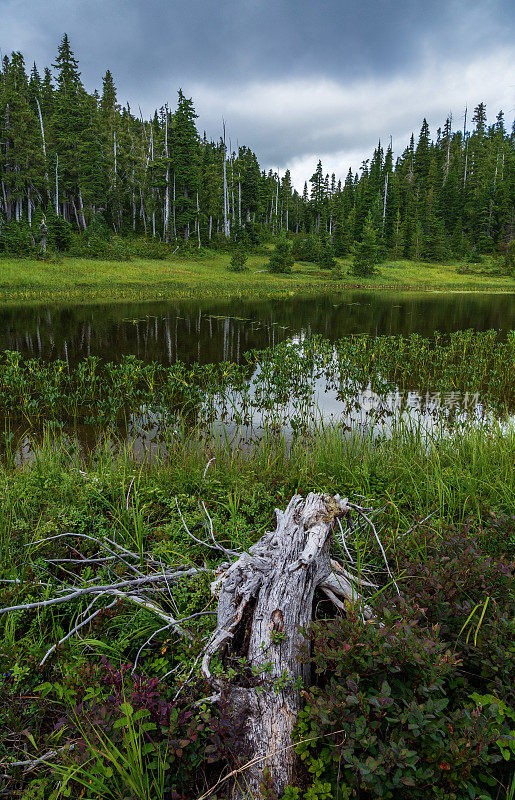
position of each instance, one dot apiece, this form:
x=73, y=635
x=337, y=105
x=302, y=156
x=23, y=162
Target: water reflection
x=196, y=331
x=149, y=433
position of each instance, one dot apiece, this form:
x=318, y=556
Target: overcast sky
x=295, y=81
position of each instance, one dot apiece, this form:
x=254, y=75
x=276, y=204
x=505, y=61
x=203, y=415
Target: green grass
x=82, y=280
x=466, y=476
x=463, y=480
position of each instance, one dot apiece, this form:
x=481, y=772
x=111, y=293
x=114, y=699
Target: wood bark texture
x=265, y=602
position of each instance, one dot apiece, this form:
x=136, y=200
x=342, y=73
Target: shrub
x=366, y=252
x=150, y=248
x=281, y=260
x=459, y=244
x=252, y=234
x=238, y=261
x=59, y=232
x=453, y=579
x=117, y=249
x=509, y=258
x=434, y=244
x=326, y=259
x=342, y=240
x=245, y=235
x=384, y=713
x=424, y=703
x=96, y=242
x=112, y=703
x=307, y=248
x=475, y=257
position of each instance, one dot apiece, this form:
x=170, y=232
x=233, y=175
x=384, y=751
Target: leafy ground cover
x=82, y=280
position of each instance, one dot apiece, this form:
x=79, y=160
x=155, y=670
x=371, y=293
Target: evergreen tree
x=342, y=242
x=250, y=174
x=326, y=259
x=317, y=194
x=422, y=159
x=83, y=154
x=281, y=260
x=34, y=87
x=47, y=93
x=108, y=100
x=307, y=248
x=186, y=162
x=239, y=260
x=366, y=252
x=286, y=193
x=69, y=123
x=435, y=246
x=479, y=120
x=397, y=245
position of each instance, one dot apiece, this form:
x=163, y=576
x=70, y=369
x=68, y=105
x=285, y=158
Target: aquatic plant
x=275, y=384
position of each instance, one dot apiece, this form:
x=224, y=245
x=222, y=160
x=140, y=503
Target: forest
x=89, y=164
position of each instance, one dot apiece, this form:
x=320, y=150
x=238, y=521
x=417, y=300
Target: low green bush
x=238, y=261
x=509, y=258
x=326, y=259
x=60, y=233
x=419, y=700
x=151, y=249
x=281, y=260
x=307, y=248
x=129, y=733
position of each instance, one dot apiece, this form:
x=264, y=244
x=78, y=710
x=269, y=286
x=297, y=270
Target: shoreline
x=81, y=282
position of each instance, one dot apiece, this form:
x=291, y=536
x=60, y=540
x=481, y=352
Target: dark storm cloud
x=235, y=40
x=293, y=79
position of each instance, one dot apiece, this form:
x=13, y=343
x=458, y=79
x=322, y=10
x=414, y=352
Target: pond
x=199, y=332
x=195, y=331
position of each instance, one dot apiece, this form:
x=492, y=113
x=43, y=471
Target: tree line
x=82, y=160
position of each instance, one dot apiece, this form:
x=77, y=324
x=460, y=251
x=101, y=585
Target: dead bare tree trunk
x=227, y=225
x=265, y=603
x=44, y=147
x=166, y=214
x=57, y=184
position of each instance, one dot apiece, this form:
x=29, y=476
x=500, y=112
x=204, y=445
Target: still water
x=208, y=332
x=196, y=331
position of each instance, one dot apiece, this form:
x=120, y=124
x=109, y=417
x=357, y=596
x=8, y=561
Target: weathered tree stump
x=265, y=601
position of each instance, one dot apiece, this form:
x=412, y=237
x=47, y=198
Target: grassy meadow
x=80, y=280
